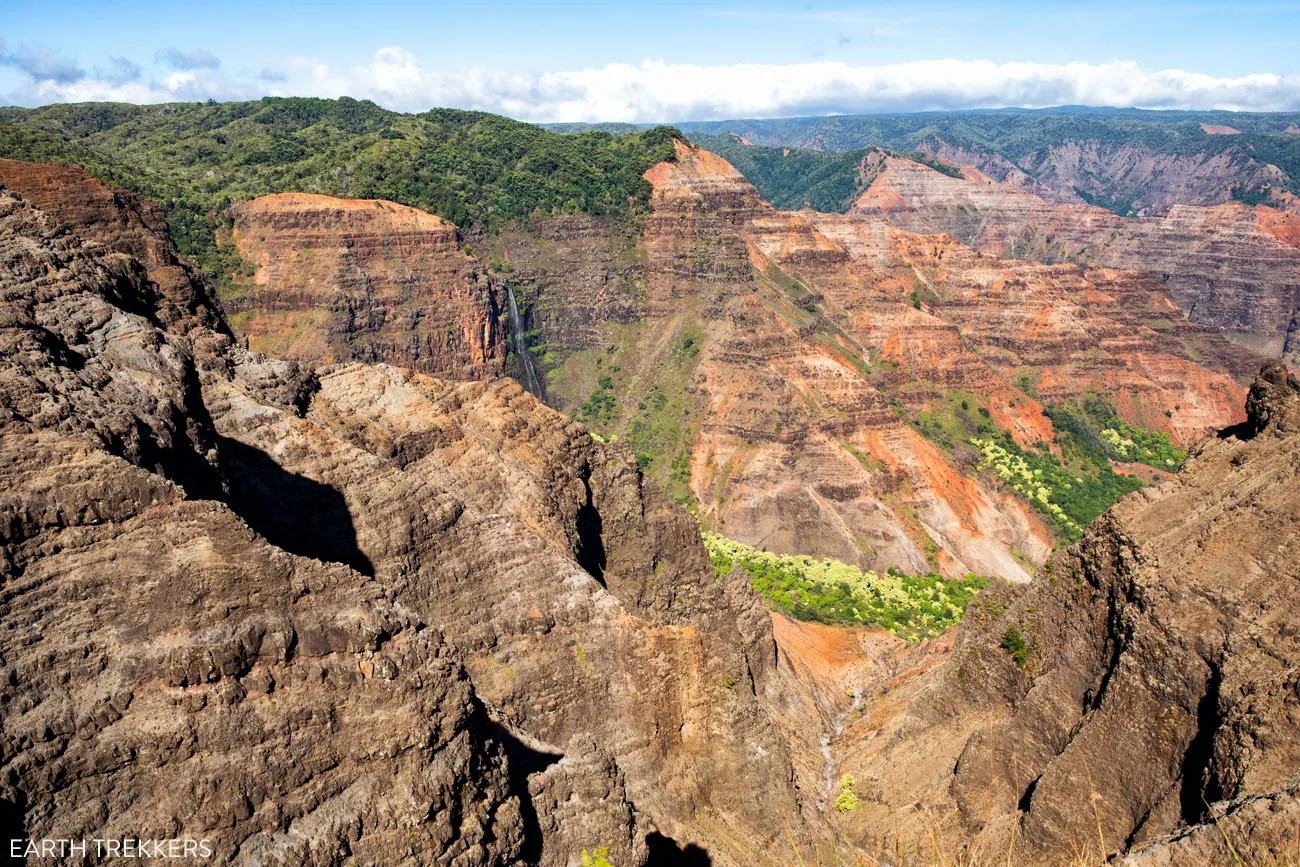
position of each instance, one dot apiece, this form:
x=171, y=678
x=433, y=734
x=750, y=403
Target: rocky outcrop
x=1232, y=267
x=359, y=616
x=123, y=222
x=357, y=279
x=1140, y=691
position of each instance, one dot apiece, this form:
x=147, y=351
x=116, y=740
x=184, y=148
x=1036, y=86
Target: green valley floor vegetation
x=829, y=591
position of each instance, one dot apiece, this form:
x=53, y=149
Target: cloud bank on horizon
x=653, y=90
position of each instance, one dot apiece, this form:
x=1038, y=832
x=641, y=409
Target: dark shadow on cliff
x=1199, y=786
x=290, y=511
x=590, y=550
x=667, y=852
x=523, y=761
x=13, y=825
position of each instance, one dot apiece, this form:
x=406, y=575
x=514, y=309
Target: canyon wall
x=1231, y=266
x=1134, y=177
x=351, y=279
x=1147, y=703
x=358, y=615
x=770, y=365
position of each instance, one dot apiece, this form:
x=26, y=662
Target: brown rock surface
x=1159, y=677
x=1231, y=266
x=789, y=352
x=365, y=617
x=361, y=279
x=1137, y=178
x=369, y=616
x=123, y=222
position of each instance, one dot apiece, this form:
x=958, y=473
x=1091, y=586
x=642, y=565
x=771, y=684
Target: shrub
x=847, y=800
x=828, y=591
x=1014, y=644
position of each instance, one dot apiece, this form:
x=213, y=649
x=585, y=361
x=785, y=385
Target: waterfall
x=531, y=380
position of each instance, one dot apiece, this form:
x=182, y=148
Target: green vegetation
x=1072, y=498
x=1071, y=490
x=1014, y=644
x=793, y=178
x=1093, y=431
x=953, y=418
x=601, y=406
x=828, y=591
x=662, y=432
x=847, y=801
x=470, y=167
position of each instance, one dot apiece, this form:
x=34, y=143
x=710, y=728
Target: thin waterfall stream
x=527, y=364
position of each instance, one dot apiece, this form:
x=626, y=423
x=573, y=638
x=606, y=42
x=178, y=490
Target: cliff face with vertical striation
x=1141, y=180
x=363, y=616
x=359, y=614
x=125, y=223
x=1231, y=266
x=355, y=279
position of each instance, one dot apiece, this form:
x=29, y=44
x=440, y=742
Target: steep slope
x=359, y=616
x=1232, y=267
x=1138, y=693
x=774, y=368
x=344, y=279
x=124, y=222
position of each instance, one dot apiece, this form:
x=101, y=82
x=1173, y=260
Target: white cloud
x=658, y=91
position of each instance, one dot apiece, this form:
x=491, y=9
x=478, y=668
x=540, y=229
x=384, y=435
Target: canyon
x=777, y=359
x=354, y=613
x=1133, y=163
x=388, y=549
x=767, y=367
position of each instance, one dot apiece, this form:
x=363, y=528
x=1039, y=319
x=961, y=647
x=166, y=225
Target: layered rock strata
x=356, y=279
x=359, y=616
x=1233, y=267
x=787, y=352
x=1138, y=698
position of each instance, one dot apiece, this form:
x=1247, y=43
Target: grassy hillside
x=1011, y=132
x=794, y=178
x=472, y=168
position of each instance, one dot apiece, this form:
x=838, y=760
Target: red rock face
x=405, y=618
x=811, y=354
x=354, y=279
x=808, y=354
x=1230, y=266
x=1140, y=700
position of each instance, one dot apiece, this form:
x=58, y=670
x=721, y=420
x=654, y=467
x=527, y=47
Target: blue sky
x=660, y=60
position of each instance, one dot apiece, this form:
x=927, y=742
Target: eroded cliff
x=1137, y=698
x=358, y=616
x=1232, y=267
x=368, y=280
x=775, y=369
